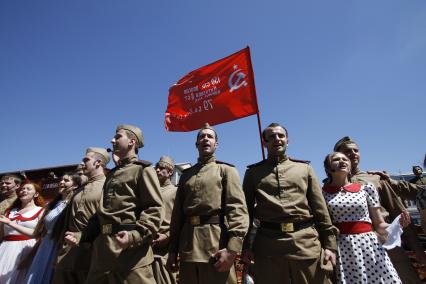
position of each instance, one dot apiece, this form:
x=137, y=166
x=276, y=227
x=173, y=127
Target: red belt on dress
x=16, y=238
x=350, y=228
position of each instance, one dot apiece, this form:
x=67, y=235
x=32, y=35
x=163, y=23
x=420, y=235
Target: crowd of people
x=131, y=224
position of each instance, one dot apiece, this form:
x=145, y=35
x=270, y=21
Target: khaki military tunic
x=421, y=196
x=200, y=194
x=161, y=274
x=168, y=193
x=131, y=196
x=287, y=192
x=390, y=192
x=83, y=206
x=209, y=188
x=7, y=202
x=421, y=180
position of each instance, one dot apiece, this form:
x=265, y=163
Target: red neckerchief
x=352, y=187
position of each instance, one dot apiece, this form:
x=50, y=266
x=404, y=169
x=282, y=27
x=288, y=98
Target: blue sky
x=70, y=71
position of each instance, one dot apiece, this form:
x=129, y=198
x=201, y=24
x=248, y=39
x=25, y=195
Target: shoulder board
x=184, y=170
x=299, y=161
x=256, y=164
x=224, y=163
x=143, y=163
x=187, y=169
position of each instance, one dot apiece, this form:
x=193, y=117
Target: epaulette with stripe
x=143, y=163
x=224, y=163
x=256, y=164
x=299, y=161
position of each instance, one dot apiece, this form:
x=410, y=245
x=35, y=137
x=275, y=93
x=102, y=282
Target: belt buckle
x=287, y=227
x=195, y=220
x=107, y=229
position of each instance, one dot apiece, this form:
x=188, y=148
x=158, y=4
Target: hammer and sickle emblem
x=237, y=80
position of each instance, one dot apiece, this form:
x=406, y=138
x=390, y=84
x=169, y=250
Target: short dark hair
x=17, y=179
x=417, y=167
x=273, y=124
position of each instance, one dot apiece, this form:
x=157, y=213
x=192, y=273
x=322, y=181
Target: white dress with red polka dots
x=361, y=258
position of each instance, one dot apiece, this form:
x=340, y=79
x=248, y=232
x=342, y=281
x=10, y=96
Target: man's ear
x=98, y=163
x=170, y=173
x=132, y=142
x=264, y=143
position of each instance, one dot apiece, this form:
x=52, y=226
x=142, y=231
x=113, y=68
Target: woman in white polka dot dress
x=354, y=210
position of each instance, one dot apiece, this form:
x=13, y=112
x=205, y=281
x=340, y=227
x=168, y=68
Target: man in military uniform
x=73, y=261
x=165, y=168
x=209, y=219
x=295, y=236
x=8, y=185
x=418, y=178
x=128, y=217
x=390, y=192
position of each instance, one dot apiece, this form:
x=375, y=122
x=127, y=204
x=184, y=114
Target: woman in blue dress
x=41, y=269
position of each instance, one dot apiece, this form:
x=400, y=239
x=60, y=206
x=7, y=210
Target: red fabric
x=350, y=228
x=16, y=238
x=22, y=218
x=352, y=187
x=216, y=93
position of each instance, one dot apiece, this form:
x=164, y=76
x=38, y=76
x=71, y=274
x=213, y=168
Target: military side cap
x=101, y=151
x=166, y=161
x=135, y=130
x=343, y=141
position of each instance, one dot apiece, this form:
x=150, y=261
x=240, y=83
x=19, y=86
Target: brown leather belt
x=203, y=219
x=286, y=227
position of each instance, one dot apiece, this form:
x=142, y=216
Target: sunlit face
x=89, y=164
x=206, y=142
x=8, y=186
x=163, y=173
x=121, y=143
x=275, y=140
x=339, y=163
x=352, y=152
x=27, y=193
x=65, y=183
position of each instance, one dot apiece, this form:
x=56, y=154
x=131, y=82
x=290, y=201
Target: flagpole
x=260, y=134
x=257, y=105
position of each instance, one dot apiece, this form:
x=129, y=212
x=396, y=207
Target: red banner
x=216, y=93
